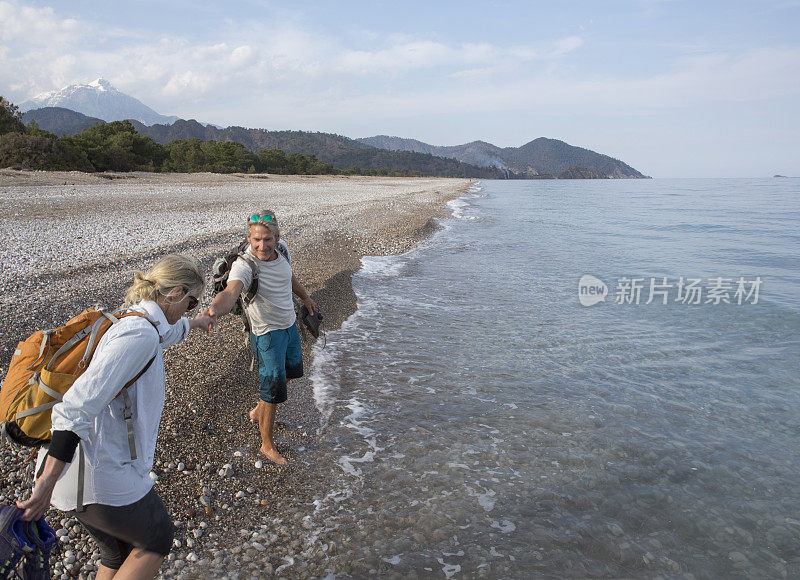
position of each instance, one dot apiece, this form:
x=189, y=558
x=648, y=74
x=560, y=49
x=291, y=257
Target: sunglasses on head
x=256, y=218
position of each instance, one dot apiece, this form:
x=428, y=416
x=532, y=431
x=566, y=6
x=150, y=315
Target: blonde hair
x=172, y=271
x=271, y=226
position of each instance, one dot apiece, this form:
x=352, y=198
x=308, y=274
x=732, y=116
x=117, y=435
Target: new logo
x=591, y=290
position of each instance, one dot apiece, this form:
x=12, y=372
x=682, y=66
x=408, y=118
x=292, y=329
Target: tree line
x=117, y=146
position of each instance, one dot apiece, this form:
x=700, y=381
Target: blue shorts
x=279, y=358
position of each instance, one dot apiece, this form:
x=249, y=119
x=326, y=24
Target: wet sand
x=234, y=516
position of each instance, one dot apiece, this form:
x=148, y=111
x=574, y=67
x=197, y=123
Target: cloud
x=408, y=55
x=754, y=75
x=567, y=45
x=35, y=45
x=24, y=24
x=694, y=83
x=277, y=72
x=401, y=57
x=49, y=51
x=242, y=56
x=653, y=8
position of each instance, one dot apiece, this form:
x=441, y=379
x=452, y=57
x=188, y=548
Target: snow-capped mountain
x=98, y=99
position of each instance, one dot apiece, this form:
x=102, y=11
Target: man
x=273, y=326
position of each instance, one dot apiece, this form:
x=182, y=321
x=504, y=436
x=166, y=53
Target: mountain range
x=538, y=157
x=77, y=107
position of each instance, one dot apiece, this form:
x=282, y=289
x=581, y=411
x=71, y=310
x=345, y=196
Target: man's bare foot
x=253, y=416
x=273, y=455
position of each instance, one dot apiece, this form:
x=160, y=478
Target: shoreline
x=209, y=385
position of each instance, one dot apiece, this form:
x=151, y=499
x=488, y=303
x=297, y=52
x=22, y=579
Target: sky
x=674, y=88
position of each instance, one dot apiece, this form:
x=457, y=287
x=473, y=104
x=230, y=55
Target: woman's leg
x=139, y=564
x=105, y=573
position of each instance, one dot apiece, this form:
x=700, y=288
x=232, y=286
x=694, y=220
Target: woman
x=122, y=513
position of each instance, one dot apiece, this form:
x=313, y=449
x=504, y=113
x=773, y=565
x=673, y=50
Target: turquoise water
x=482, y=422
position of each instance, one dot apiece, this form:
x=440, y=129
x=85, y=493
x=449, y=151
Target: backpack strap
x=247, y=300
x=76, y=338
x=250, y=295
x=283, y=250
x=127, y=412
x=116, y=318
x=32, y=411
x=43, y=350
x=79, y=507
x=93, y=336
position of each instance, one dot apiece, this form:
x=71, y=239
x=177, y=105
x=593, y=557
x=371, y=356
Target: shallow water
x=482, y=422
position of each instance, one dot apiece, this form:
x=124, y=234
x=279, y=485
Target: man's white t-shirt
x=272, y=308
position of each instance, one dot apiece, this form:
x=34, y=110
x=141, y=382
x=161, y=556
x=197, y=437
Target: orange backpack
x=44, y=367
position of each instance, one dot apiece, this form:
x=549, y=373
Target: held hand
x=204, y=321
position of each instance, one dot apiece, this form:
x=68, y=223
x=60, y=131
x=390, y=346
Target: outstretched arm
x=224, y=301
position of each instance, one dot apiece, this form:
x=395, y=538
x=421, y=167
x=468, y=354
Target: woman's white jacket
x=92, y=410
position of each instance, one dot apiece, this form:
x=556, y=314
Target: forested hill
x=340, y=151
x=539, y=157
x=60, y=121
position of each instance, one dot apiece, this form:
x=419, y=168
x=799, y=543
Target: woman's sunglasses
x=192, y=302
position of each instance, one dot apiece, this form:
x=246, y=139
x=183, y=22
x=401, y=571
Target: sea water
x=572, y=379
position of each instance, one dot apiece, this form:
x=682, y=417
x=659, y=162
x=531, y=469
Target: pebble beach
x=73, y=240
